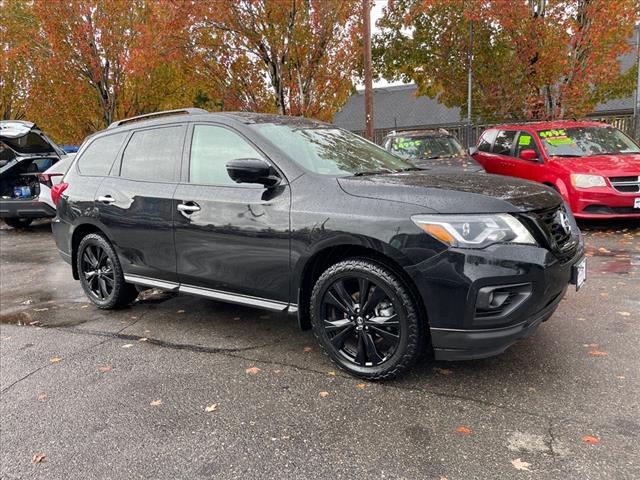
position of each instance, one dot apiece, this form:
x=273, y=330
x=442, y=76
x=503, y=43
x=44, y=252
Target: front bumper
x=603, y=203
x=452, y=287
x=15, y=208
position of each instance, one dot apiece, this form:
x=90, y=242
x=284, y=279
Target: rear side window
x=487, y=138
x=504, y=141
x=153, y=154
x=211, y=148
x=97, y=158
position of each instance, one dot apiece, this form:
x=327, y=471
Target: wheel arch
x=327, y=256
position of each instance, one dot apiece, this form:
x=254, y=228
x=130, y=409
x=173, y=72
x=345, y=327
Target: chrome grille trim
x=629, y=184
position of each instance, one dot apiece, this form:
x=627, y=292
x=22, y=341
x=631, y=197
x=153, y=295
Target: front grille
x=626, y=184
x=554, y=230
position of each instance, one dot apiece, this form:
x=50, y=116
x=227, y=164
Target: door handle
x=188, y=208
x=106, y=199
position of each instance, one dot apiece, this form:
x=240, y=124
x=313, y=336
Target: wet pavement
x=126, y=394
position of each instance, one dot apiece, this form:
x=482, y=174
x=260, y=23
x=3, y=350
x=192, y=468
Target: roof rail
x=164, y=113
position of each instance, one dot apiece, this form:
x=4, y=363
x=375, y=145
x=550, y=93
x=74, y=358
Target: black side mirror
x=253, y=170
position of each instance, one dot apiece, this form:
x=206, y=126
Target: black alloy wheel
x=366, y=319
x=101, y=275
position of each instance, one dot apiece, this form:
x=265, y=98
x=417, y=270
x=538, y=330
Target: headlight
x=474, y=231
x=587, y=181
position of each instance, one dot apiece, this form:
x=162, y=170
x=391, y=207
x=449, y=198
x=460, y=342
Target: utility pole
x=469, y=85
x=636, y=106
x=368, y=81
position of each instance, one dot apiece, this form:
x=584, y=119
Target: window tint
x=486, y=140
x=100, y=154
x=211, y=148
x=153, y=154
x=503, y=142
x=526, y=142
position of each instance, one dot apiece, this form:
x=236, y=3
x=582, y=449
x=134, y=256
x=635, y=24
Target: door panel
x=139, y=218
x=237, y=242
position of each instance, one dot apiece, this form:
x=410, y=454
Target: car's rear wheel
x=366, y=319
x=18, y=222
x=101, y=275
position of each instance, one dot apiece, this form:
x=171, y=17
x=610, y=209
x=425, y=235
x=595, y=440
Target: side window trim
x=186, y=158
x=511, y=148
x=117, y=172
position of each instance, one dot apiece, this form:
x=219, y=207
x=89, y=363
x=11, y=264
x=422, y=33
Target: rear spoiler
x=164, y=113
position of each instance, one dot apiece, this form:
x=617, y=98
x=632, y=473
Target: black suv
x=382, y=260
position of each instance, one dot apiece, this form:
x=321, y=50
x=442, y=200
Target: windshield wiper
x=372, y=172
x=409, y=169
x=566, y=155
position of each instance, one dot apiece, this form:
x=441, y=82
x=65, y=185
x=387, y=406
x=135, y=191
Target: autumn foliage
x=75, y=66
x=532, y=58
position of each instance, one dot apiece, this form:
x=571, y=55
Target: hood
x=618, y=165
x=448, y=164
x=26, y=139
x=455, y=192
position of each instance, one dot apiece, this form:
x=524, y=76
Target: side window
x=487, y=138
x=153, y=154
x=504, y=141
x=526, y=142
x=97, y=158
x=211, y=148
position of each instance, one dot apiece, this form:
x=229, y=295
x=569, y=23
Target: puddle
x=619, y=262
x=155, y=295
x=17, y=318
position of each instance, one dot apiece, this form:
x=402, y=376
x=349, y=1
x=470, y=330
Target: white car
x=51, y=177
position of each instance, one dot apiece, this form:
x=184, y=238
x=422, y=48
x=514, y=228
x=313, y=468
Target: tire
x=378, y=340
x=18, y=222
x=101, y=275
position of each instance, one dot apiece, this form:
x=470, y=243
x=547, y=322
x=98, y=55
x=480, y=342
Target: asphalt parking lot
x=178, y=387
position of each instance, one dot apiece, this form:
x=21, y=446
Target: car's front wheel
x=101, y=275
x=366, y=319
x=18, y=222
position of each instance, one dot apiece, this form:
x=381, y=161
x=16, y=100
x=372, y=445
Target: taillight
x=57, y=190
x=46, y=178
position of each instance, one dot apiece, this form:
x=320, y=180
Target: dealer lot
x=125, y=394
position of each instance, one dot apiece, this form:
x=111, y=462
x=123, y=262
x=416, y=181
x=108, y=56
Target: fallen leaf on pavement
x=443, y=371
x=127, y=345
x=463, y=429
x=5, y=337
x=84, y=306
x=180, y=311
x=40, y=309
x=252, y=370
x=143, y=339
x=106, y=368
x=331, y=373
x=307, y=349
x=324, y=394
x=38, y=458
x=155, y=403
x=42, y=397
x=520, y=465
x=361, y=386
x=624, y=314
x=211, y=408
x=597, y=353
x=56, y=360
x=591, y=440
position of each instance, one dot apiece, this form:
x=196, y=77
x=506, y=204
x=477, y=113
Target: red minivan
x=594, y=166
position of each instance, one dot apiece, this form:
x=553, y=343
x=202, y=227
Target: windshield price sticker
x=524, y=140
x=556, y=137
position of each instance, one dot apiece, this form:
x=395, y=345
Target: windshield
x=431, y=147
x=586, y=141
x=331, y=151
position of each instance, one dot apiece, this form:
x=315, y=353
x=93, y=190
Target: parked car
x=51, y=177
x=594, y=166
x=298, y=216
x=25, y=152
x=435, y=150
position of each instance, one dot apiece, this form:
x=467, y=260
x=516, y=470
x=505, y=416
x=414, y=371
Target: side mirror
x=253, y=170
x=529, y=155
x=473, y=151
